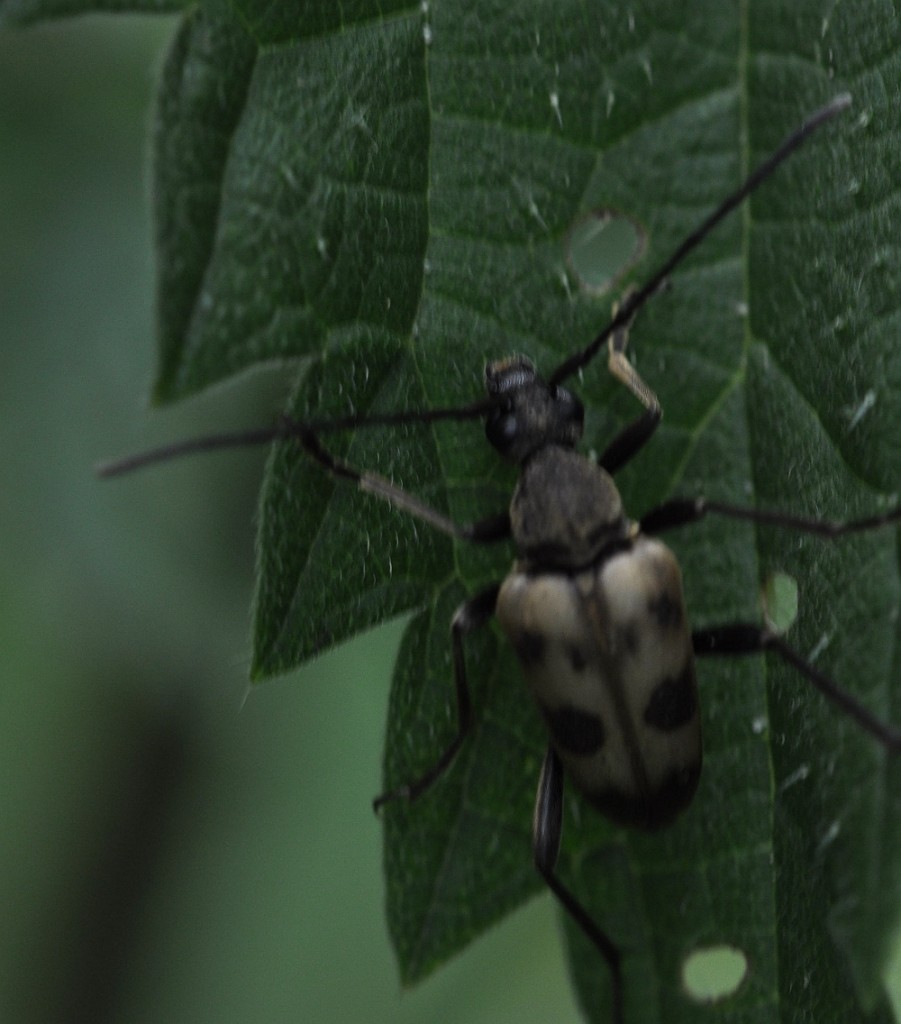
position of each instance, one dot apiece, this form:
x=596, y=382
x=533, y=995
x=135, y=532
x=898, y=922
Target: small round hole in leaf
x=779, y=597
x=602, y=245
x=714, y=973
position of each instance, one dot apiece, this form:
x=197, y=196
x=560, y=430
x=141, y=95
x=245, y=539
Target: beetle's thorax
x=565, y=511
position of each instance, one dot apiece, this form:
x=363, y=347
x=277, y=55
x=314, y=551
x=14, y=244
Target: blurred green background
x=173, y=847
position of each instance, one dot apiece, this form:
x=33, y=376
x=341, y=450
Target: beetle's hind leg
x=469, y=616
x=547, y=830
x=738, y=638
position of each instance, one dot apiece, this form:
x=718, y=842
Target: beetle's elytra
x=606, y=652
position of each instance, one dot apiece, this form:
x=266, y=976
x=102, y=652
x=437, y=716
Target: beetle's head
x=530, y=413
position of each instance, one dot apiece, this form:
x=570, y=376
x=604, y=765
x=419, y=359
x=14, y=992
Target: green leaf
x=383, y=195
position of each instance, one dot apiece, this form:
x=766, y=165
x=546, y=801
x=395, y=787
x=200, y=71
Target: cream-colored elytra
x=606, y=652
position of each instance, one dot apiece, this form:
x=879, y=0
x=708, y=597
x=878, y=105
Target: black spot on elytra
x=666, y=610
x=652, y=810
x=674, y=702
x=530, y=648
x=574, y=731
x=576, y=657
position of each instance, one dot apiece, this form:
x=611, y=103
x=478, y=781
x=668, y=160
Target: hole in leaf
x=602, y=245
x=714, y=973
x=779, y=598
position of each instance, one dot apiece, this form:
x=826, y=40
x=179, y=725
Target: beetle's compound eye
x=570, y=408
x=502, y=427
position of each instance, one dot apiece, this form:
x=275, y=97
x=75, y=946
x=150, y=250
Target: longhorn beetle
x=593, y=605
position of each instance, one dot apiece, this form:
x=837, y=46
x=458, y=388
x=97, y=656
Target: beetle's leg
x=681, y=511
x=547, y=830
x=469, y=616
x=750, y=638
x=635, y=435
x=483, y=531
x=738, y=638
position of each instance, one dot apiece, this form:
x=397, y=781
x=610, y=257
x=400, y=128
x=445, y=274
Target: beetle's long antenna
x=629, y=307
x=284, y=429
x=627, y=310
x=193, y=446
